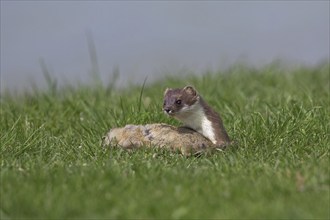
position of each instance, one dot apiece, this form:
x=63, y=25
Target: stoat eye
x=178, y=102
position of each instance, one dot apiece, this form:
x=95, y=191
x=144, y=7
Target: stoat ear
x=166, y=90
x=190, y=90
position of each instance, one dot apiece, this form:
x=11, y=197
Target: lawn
x=53, y=165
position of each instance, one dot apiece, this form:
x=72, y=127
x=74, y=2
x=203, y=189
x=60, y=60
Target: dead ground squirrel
x=187, y=106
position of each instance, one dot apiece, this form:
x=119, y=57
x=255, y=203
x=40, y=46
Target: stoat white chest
x=194, y=117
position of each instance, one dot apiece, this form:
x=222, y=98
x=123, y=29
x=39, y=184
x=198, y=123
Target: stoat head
x=178, y=102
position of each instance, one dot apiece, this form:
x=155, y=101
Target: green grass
x=53, y=165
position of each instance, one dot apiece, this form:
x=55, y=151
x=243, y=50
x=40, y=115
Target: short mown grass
x=53, y=165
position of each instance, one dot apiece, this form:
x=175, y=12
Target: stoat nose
x=167, y=110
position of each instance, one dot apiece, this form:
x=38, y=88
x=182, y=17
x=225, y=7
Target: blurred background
x=74, y=40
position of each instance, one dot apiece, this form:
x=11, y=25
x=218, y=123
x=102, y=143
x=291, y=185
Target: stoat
x=187, y=106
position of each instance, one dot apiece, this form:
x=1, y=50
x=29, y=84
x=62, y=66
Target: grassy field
x=53, y=165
